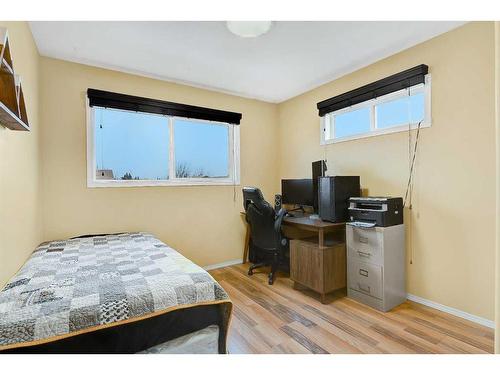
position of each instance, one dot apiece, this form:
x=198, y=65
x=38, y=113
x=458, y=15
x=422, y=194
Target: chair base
x=272, y=274
x=255, y=266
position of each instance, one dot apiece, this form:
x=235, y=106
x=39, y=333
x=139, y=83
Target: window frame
x=233, y=157
x=327, y=122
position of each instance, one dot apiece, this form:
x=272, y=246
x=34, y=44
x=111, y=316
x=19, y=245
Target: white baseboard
x=223, y=264
x=452, y=311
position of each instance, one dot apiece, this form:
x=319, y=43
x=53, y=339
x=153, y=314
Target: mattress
x=120, y=293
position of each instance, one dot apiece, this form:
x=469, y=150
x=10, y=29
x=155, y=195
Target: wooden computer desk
x=297, y=227
x=317, y=253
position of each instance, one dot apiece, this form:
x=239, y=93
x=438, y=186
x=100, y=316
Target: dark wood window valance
x=108, y=99
x=396, y=82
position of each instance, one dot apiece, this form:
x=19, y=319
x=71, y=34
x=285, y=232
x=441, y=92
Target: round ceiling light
x=249, y=29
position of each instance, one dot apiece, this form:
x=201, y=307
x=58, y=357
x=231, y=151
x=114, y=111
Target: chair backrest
x=261, y=217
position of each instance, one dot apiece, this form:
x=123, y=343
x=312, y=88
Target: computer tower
x=333, y=196
x=318, y=170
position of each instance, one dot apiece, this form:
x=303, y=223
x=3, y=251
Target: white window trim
x=234, y=160
x=327, y=130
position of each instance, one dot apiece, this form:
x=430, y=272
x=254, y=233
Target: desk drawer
x=365, y=278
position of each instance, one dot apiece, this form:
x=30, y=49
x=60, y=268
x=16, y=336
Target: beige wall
x=497, y=127
x=202, y=222
x=453, y=221
x=20, y=207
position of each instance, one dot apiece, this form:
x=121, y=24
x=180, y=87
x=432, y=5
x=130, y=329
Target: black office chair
x=268, y=247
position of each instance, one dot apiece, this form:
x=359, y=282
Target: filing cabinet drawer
x=371, y=255
x=364, y=239
x=376, y=303
x=365, y=278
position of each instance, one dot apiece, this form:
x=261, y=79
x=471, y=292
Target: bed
x=121, y=293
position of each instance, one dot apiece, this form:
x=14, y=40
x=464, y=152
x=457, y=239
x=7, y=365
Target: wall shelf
x=13, y=113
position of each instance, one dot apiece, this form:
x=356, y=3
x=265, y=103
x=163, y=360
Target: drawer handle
x=363, y=254
x=363, y=239
x=363, y=272
x=366, y=290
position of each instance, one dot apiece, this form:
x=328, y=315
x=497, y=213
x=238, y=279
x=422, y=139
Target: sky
x=202, y=146
x=138, y=143
x=396, y=112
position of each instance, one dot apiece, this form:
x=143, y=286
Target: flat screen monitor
x=298, y=192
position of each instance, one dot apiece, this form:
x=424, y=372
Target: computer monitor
x=298, y=192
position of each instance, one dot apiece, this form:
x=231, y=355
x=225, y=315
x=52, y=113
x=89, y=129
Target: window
x=386, y=114
x=352, y=122
x=130, y=146
x=142, y=149
x=201, y=149
x=405, y=110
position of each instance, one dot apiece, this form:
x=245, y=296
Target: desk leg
x=323, y=298
x=247, y=244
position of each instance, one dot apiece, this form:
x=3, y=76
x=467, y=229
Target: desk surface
x=306, y=221
x=312, y=223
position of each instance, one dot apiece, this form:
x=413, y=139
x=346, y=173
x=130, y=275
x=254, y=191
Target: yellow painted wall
x=201, y=222
x=453, y=221
x=497, y=122
x=20, y=204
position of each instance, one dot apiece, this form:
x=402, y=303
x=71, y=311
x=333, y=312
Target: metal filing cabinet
x=376, y=265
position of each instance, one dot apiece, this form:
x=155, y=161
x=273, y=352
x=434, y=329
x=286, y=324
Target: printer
x=375, y=211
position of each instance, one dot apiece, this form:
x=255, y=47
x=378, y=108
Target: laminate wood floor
x=279, y=319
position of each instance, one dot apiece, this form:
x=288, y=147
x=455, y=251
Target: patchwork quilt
x=83, y=284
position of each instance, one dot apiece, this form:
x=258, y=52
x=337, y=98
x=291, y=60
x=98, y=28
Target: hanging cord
x=102, y=138
x=409, y=186
x=408, y=106
x=325, y=157
x=234, y=169
x=234, y=190
x=324, y=148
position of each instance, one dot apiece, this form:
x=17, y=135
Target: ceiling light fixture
x=249, y=29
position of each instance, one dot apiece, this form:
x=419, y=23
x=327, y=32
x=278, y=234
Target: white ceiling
x=292, y=58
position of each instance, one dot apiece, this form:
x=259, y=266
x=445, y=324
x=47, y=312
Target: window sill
x=375, y=133
x=153, y=183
